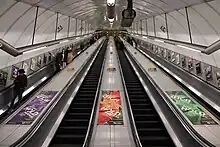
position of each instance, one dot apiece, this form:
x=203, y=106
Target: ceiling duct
x=111, y=9
x=128, y=15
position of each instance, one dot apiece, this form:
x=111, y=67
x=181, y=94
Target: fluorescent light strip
x=43, y=79
x=158, y=40
x=35, y=50
x=195, y=91
x=144, y=37
x=1, y=111
x=188, y=48
x=28, y=90
x=64, y=41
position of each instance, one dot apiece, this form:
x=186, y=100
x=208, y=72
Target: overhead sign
x=193, y=111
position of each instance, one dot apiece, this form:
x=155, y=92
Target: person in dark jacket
x=20, y=83
x=64, y=58
x=58, y=62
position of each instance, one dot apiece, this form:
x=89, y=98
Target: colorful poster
x=39, y=61
x=33, y=64
x=111, y=69
x=25, y=67
x=168, y=55
x=177, y=59
x=165, y=53
x=183, y=61
x=173, y=57
x=208, y=72
x=3, y=78
x=31, y=111
x=218, y=78
x=198, y=68
x=14, y=72
x=110, y=111
x=190, y=64
x=45, y=59
x=191, y=110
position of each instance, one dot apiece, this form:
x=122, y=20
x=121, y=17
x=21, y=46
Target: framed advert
x=39, y=61
x=217, y=74
x=190, y=64
x=33, y=64
x=14, y=72
x=208, y=72
x=177, y=59
x=173, y=57
x=198, y=67
x=3, y=78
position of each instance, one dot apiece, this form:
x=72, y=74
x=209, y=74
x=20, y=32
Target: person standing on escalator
x=20, y=83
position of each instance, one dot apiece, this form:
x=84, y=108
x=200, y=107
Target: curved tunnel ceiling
x=90, y=10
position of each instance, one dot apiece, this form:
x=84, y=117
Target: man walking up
x=20, y=83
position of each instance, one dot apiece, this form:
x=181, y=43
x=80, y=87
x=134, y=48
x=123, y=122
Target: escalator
x=73, y=128
x=150, y=128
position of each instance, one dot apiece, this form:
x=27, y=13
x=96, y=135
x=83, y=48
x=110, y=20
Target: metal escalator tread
x=150, y=128
x=73, y=128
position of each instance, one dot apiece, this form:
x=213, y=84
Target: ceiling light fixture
x=111, y=20
x=110, y=2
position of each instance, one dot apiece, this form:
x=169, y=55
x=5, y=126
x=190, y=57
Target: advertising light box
x=191, y=110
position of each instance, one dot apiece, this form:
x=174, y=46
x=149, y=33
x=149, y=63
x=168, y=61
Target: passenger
x=58, y=62
x=64, y=58
x=70, y=56
x=20, y=83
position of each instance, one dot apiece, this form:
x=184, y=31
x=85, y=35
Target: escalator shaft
x=150, y=128
x=73, y=128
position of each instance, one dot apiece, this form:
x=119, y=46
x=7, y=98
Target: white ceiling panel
x=89, y=10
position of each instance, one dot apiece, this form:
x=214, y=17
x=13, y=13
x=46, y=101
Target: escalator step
x=81, y=130
x=151, y=130
x=74, y=126
x=78, y=115
x=152, y=141
x=70, y=138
